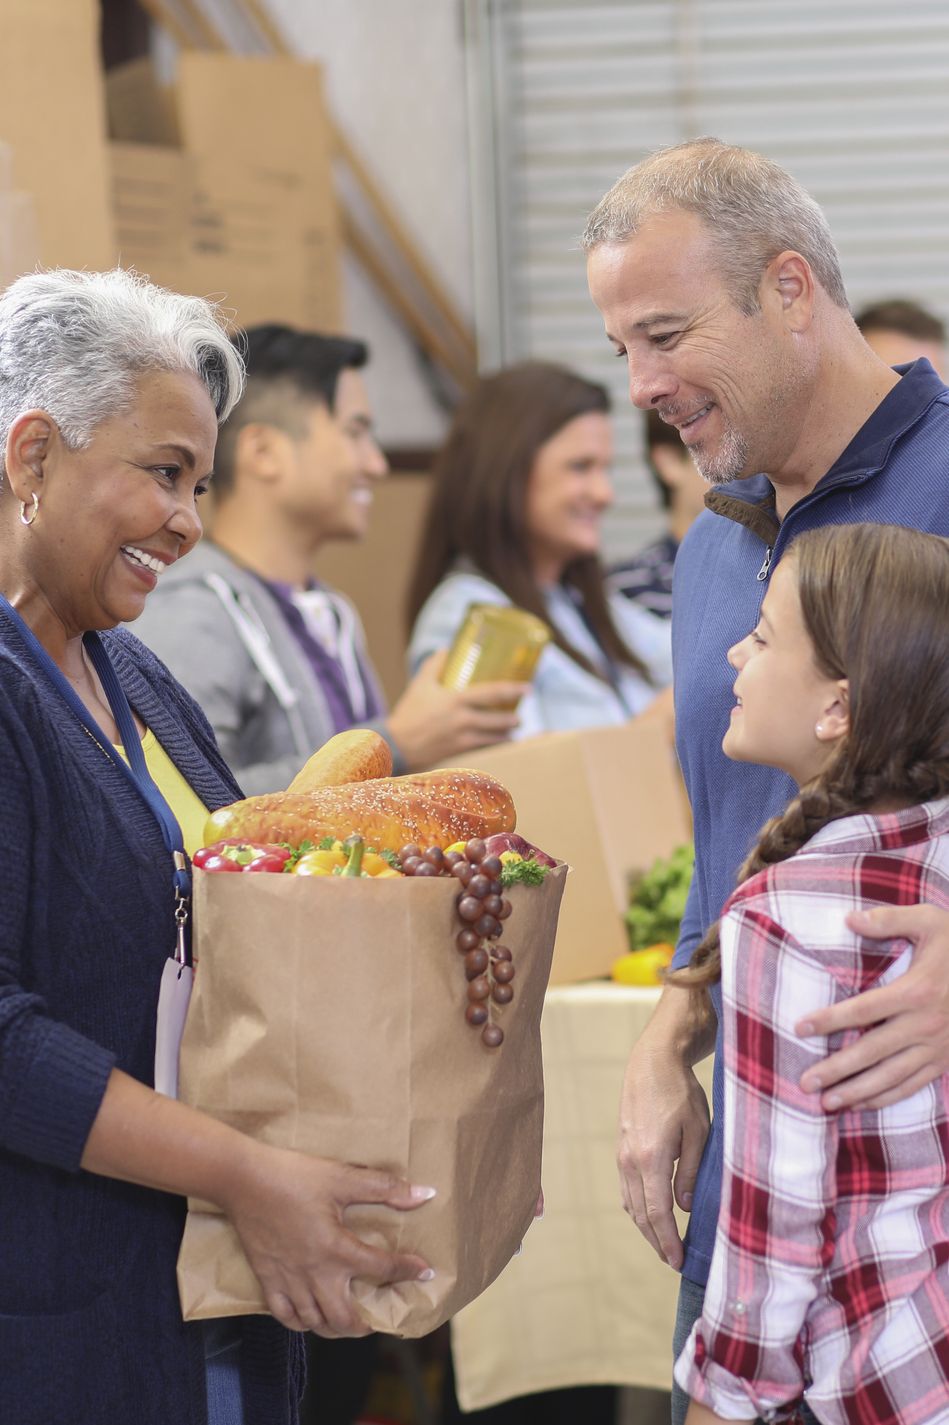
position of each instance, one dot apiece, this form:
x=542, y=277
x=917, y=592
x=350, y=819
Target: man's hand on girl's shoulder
x=906, y=1045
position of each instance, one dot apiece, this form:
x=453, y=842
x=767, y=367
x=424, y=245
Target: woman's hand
x=288, y=1211
x=287, y=1208
x=907, y=1046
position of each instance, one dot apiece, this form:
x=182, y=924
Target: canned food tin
x=495, y=643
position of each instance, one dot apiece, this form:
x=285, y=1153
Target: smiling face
x=331, y=471
x=113, y=515
x=787, y=713
x=733, y=384
x=568, y=491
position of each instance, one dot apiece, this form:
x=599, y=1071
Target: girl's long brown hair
x=875, y=602
x=479, y=496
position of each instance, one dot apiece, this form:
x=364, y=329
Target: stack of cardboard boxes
x=52, y=116
x=222, y=186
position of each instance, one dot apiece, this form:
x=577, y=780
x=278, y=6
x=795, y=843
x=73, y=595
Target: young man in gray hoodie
x=276, y=659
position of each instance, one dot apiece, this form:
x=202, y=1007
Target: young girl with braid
x=829, y=1290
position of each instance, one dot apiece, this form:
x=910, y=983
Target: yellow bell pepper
x=642, y=967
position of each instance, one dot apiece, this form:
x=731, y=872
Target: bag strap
x=135, y=769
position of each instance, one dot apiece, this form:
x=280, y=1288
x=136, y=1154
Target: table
x=587, y=1302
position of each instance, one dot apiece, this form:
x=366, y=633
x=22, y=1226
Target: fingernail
x=541, y=1215
x=686, y=1199
x=833, y=1100
x=426, y=1276
x=418, y=1193
x=805, y=1029
x=518, y=1249
x=810, y=1085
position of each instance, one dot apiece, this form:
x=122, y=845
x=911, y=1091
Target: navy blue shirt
x=647, y=577
x=894, y=471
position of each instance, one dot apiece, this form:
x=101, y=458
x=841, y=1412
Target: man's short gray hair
x=75, y=344
x=753, y=210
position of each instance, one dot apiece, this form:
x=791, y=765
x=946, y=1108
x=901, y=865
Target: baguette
x=359, y=755
x=433, y=809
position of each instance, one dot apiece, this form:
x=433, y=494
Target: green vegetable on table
x=657, y=900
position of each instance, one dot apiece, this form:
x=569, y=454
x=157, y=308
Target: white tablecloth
x=587, y=1302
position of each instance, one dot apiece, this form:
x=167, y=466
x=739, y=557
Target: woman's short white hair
x=752, y=208
x=74, y=344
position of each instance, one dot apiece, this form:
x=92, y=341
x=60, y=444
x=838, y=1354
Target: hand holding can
x=495, y=643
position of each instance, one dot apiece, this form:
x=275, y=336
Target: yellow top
x=189, y=809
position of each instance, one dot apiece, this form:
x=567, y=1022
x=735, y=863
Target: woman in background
x=520, y=490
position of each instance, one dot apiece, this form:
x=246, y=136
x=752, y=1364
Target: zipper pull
x=766, y=566
x=181, y=928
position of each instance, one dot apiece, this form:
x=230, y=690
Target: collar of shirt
x=886, y=831
x=867, y=453
x=335, y=668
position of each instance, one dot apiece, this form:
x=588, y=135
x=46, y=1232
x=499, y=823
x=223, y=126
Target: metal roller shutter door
x=852, y=96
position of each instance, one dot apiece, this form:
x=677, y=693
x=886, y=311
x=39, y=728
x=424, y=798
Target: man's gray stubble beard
x=727, y=463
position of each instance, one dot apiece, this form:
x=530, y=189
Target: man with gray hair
x=720, y=286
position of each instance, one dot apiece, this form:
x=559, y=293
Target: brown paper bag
x=328, y=1016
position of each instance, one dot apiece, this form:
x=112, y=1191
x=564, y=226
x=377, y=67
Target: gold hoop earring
x=33, y=512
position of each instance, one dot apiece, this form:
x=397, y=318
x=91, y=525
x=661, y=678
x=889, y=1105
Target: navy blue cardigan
x=90, y=1327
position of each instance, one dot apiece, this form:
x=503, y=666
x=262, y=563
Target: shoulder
x=647, y=633
x=644, y=562
x=173, y=714
x=130, y=654
x=782, y=888
x=137, y=664
x=444, y=609
x=468, y=586
x=205, y=577
x=205, y=558
x=806, y=899
x=195, y=616
x=924, y=442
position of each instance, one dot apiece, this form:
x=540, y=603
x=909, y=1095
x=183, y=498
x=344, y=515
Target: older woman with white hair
x=111, y=391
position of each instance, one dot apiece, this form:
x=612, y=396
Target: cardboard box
x=140, y=110
x=271, y=111
x=607, y=801
x=19, y=242
x=151, y=204
x=258, y=231
x=52, y=113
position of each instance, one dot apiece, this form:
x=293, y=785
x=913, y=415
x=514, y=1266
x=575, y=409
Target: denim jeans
x=222, y=1355
x=691, y=1299
x=688, y=1311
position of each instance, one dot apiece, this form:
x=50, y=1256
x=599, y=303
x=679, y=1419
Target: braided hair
x=875, y=605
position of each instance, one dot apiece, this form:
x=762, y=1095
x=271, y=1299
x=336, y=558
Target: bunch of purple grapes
x=481, y=908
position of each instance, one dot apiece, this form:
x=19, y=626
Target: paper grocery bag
x=328, y=1016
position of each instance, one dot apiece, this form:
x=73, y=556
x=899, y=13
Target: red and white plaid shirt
x=830, y=1275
